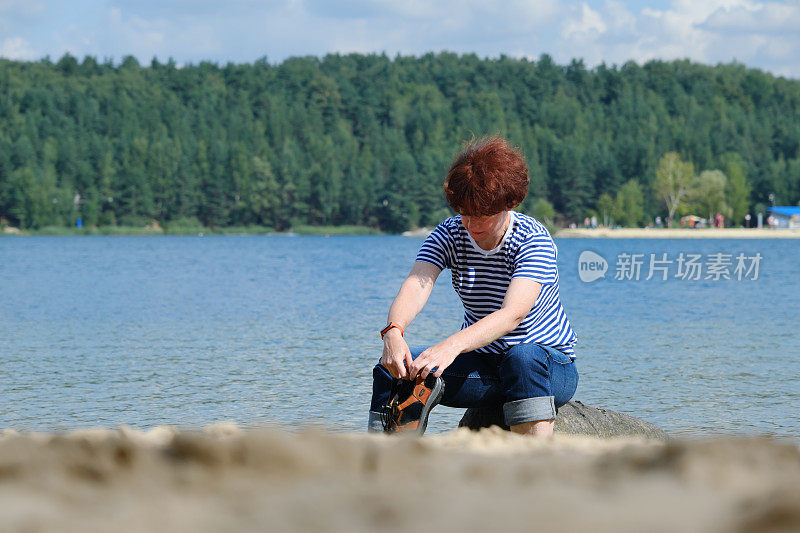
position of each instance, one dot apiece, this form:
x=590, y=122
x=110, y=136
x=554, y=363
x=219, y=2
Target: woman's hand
x=396, y=355
x=439, y=356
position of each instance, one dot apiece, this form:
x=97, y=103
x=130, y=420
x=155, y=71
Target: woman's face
x=485, y=229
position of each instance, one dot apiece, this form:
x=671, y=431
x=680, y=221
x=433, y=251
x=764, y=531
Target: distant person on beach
x=516, y=346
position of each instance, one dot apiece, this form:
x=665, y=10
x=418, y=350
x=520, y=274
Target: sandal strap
x=421, y=394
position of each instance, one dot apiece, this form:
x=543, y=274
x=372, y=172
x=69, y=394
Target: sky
x=761, y=34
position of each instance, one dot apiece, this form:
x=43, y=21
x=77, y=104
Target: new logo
x=591, y=266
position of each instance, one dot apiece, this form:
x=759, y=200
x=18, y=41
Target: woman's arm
x=407, y=304
x=520, y=298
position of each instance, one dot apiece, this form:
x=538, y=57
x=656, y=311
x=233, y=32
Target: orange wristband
x=390, y=326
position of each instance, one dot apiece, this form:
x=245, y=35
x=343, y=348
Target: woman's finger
x=394, y=367
x=407, y=363
x=400, y=368
x=413, y=369
x=426, y=369
x=422, y=364
x=416, y=365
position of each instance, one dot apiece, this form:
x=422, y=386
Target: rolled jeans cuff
x=529, y=410
x=374, y=423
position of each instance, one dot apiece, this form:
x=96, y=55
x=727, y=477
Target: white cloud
x=620, y=20
x=760, y=18
x=17, y=48
x=588, y=22
x=760, y=33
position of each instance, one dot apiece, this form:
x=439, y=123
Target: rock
x=574, y=418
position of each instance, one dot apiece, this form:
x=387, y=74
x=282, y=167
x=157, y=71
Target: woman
x=515, y=346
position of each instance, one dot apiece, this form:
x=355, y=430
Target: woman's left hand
x=439, y=356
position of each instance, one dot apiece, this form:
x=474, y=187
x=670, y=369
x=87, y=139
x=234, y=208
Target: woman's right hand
x=396, y=355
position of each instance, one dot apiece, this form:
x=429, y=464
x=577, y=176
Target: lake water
x=186, y=331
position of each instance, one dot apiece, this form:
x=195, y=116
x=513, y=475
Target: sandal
x=411, y=403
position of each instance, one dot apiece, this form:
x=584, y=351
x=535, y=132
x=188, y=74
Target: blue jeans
x=530, y=380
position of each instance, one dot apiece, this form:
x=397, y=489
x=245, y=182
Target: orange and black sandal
x=411, y=403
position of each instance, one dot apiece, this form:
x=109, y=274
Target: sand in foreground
x=224, y=479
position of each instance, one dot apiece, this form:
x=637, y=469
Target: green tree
x=707, y=194
x=35, y=199
x=263, y=197
x=605, y=205
x=544, y=211
x=673, y=179
x=628, y=206
x=737, y=189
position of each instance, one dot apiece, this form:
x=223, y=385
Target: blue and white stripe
x=481, y=278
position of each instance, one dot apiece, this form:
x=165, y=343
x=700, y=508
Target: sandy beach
x=225, y=479
x=679, y=233
x=657, y=233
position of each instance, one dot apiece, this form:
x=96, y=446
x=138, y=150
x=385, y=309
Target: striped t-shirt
x=481, y=278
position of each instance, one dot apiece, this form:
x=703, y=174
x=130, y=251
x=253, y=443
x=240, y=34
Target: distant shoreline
x=678, y=233
x=188, y=231
x=567, y=233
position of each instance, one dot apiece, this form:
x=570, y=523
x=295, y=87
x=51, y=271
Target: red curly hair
x=488, y=176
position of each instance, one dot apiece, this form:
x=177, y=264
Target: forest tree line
x=366, y=139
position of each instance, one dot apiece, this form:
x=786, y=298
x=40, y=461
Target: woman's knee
x=380, y=373
x=381, y=387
